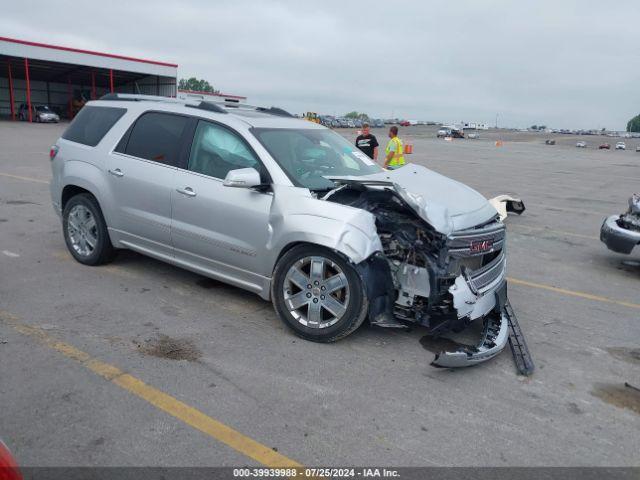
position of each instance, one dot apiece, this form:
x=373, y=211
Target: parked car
x=604, y=146
x=473, y=136
x=450, y=132
x=377, y=123
x=581, y=144
x=287, y=209
x=39, y=113
x=638, y=148
x=549, y=142
x=621, y=233
x=621, y=146
x=405, y=123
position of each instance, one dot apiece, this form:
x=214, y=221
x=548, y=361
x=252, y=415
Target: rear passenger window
x=92, y=124
x=156, y=136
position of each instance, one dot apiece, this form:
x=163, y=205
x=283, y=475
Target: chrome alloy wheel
x=82, y=230
x=316, y=292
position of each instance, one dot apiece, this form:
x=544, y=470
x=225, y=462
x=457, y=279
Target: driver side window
x=216, y=150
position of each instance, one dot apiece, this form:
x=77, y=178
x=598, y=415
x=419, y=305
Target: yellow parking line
x=28, y=179
x=180, y=410
x=572, y=293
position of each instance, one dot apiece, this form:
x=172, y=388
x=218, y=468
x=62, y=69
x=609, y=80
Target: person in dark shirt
x=367, y=142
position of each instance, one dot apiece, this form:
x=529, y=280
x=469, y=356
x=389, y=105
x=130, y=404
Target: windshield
x=310, y=157
x=42, y=108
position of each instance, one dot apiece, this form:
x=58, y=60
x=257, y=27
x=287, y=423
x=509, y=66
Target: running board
x=519, y=349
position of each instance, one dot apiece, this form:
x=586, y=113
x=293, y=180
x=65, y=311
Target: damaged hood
x=447, y=205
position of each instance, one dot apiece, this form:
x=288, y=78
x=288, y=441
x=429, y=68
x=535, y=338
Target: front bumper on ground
x=494, y=339
x=500, y=326
x=616, y=238
x=495, y=335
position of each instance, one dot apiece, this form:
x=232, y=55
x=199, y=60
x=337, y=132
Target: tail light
x=8, y=467
x=53, y=152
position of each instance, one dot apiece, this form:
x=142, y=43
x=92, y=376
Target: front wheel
x=318, y=294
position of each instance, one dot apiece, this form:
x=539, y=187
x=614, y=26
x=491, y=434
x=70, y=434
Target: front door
x=221, y=230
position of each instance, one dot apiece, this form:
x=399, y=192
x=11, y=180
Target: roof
x=76, y=56
x=231, y=114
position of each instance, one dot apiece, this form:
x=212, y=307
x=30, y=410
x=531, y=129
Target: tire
x=341, y=310
x=82, y=225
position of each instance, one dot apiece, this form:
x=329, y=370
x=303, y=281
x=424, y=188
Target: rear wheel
x=318, y=294
x=85, y=231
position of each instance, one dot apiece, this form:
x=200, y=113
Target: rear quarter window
x=92, y=124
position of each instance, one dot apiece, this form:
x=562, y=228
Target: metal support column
x=26, y=75
x=11, y=99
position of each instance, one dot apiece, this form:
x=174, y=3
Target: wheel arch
x=84, y=177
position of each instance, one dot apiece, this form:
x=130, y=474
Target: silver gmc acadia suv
x=287, y=209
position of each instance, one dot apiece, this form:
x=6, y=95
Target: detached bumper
x=494, y=339
x=616, y=238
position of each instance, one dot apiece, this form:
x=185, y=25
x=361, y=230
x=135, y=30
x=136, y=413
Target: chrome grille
x=484, y=267
x=482, y=278
x=460, y=243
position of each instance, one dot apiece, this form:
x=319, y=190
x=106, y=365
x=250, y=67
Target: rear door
x=222, y=230
x=141, y=172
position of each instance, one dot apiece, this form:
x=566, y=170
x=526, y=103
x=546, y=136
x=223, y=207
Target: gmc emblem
x=481, y=246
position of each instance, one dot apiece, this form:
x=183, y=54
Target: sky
x=560, y=63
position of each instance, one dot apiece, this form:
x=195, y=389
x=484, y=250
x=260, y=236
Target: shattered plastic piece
x=494, y=339
x=519, y=348
x=498, y=329
x=505, y=204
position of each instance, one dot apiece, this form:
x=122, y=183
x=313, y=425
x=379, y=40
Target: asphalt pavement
x=193, y=356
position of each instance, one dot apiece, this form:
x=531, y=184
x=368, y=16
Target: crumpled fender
x=297, y=216
x=507, y=203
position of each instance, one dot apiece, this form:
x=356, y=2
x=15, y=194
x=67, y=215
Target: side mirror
x=242, y=178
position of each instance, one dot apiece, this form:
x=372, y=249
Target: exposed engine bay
x=441, y=282
x=631, y=218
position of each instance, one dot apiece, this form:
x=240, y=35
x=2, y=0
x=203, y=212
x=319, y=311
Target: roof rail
x=221, y=106
x=274, y=111
x=133, y=97
x=210, y=107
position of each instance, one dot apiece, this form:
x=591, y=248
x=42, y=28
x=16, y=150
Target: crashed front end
x=442, y=281
x=621, y=233
x=460, y=283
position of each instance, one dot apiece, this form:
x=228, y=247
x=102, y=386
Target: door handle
x=188, y=191
x=116, y=173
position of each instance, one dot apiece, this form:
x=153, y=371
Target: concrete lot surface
x=370, y=399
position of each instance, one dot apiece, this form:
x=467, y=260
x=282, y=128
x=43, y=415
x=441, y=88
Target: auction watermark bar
x=404, y=473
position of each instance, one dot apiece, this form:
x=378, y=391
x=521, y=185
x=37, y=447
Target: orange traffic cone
x=408, y=148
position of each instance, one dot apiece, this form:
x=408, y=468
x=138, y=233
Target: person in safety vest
x=394, y=151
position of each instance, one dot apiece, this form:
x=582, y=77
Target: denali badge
x=481, y=246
